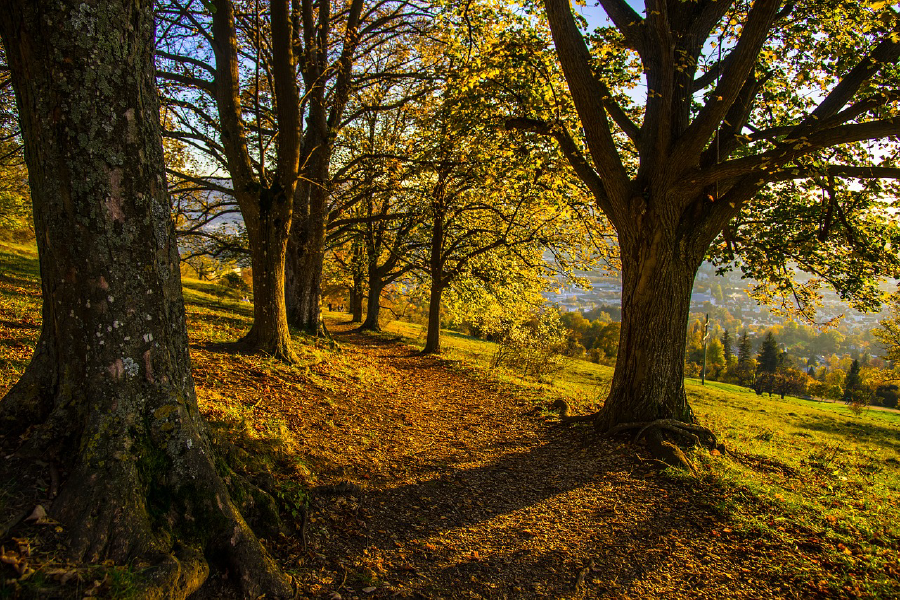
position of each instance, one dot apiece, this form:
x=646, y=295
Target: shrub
x=535, y=347
x=887, y=395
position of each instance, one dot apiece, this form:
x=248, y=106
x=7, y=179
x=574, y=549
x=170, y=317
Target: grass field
x=821, y=474
x=815, y=475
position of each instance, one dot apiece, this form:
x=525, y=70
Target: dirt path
x=467, y=491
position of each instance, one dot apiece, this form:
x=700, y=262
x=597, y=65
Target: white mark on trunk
x=237, y=536
x=117, y=369
x=189, y=443
x=148, y=367
x=114, y=202
x=131, y=367
x=132, y=126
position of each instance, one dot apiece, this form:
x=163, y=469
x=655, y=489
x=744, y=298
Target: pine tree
x=726, y=347
x=745, y=349
x=852, y=381
x=768, y=354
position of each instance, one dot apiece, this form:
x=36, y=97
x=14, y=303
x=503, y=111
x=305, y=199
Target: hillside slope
x=439, y=478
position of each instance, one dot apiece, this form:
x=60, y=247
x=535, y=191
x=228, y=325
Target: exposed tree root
x=662, y=449
x=146, y=493
x=250, y=343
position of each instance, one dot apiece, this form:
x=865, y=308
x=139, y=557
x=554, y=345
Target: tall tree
x=108, y=394
x=852, y=381
x=888, y=331
x=727, y=350
x=788, y=91
x=489, y=198
x=768, y=354
x=211, y=96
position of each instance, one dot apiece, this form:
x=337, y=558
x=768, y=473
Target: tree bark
x=433, y=336
x=436, y=269
x=108, y=394
x=357, y=294
x=657, y=278
x=268, y=232
x=303, y=272
x=373, y=303
x=306, y=251
x=356, y=291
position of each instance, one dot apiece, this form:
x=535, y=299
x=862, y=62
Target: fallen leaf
x=38, y=515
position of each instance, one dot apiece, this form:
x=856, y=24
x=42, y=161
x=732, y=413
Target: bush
x=234, y=281
x=886, y=395
x=535, y=348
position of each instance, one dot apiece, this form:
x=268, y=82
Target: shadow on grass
x=885, y=437
x=19, y=325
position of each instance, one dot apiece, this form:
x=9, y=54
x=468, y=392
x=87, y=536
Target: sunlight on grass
x=804, y=472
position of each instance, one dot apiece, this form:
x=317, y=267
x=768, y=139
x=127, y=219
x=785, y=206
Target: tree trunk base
x=139, y=494
x=661, y=435
x=250, y=343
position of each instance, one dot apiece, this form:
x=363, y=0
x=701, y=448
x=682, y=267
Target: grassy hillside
x=810, y=487
x=816, y=473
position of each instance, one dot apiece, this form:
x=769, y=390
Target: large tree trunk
x=303, y=270
x=433, y=336
x=306, y=255
x=108, y=395
x=357, y=295
x=266, y=209
x=268, y=232
x=373, y=303
x=648, y=381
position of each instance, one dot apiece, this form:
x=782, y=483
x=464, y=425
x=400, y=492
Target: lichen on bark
x=108, y=395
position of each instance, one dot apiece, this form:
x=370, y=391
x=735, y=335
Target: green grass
x=808, y=473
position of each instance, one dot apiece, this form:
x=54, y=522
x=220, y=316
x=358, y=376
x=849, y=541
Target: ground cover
x=437, y=477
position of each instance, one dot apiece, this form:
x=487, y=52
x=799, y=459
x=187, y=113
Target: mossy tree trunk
x=108, y=394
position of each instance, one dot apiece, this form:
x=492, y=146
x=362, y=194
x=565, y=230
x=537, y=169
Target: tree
x=888, y=331
x=745, y=356
x=768, y=354
x=379, y=148
x=491, y=204
x=211, y=96
x=108, y=394
x=791, y=381
x=263, y=97
x=888, y=395
x=852, y=382
x=743, y=99
x=715, y=355
x=727, y=350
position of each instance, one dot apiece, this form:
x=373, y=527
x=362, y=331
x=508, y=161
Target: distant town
x=710, y=291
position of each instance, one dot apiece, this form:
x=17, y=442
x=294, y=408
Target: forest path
x=467, y=491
